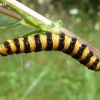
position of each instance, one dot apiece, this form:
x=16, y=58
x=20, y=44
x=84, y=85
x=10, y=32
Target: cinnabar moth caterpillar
x=50, y=42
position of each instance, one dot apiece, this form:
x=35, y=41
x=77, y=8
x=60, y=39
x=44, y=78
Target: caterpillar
x=48, y=42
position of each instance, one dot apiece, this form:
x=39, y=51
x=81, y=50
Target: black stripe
x=49, y=42
x=61, y=42
x=17, y=44
x=71, y=46
x=8, y=47
x=80, y=51
x=27, y=45
x=87, y=58
x=93, y=66
x=38, y=43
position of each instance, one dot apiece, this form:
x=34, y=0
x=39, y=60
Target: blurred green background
x=52, y=75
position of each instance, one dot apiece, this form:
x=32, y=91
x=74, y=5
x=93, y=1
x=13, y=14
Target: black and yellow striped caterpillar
x=50, y=42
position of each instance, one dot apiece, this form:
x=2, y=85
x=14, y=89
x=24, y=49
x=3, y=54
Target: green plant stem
x=33, y=18
x=26, y=10
x=10, y=13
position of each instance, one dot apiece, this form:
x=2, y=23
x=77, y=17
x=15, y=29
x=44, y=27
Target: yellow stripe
x=31, y=41
x=55, y=39
x=85, y=52
x=66, y=43
x=77, y=45
x=98, y=66
x=12, y=45
x=22, y=47
x=43, y=40
x=3, y=50
x=92, y=59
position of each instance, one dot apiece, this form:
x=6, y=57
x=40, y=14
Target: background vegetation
x=52, y=75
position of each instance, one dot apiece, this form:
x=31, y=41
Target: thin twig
x=27, y=10
x=10, y=13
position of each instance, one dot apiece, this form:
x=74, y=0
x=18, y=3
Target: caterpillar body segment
x=50, y=42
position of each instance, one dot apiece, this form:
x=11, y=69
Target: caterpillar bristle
x=50, y=42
